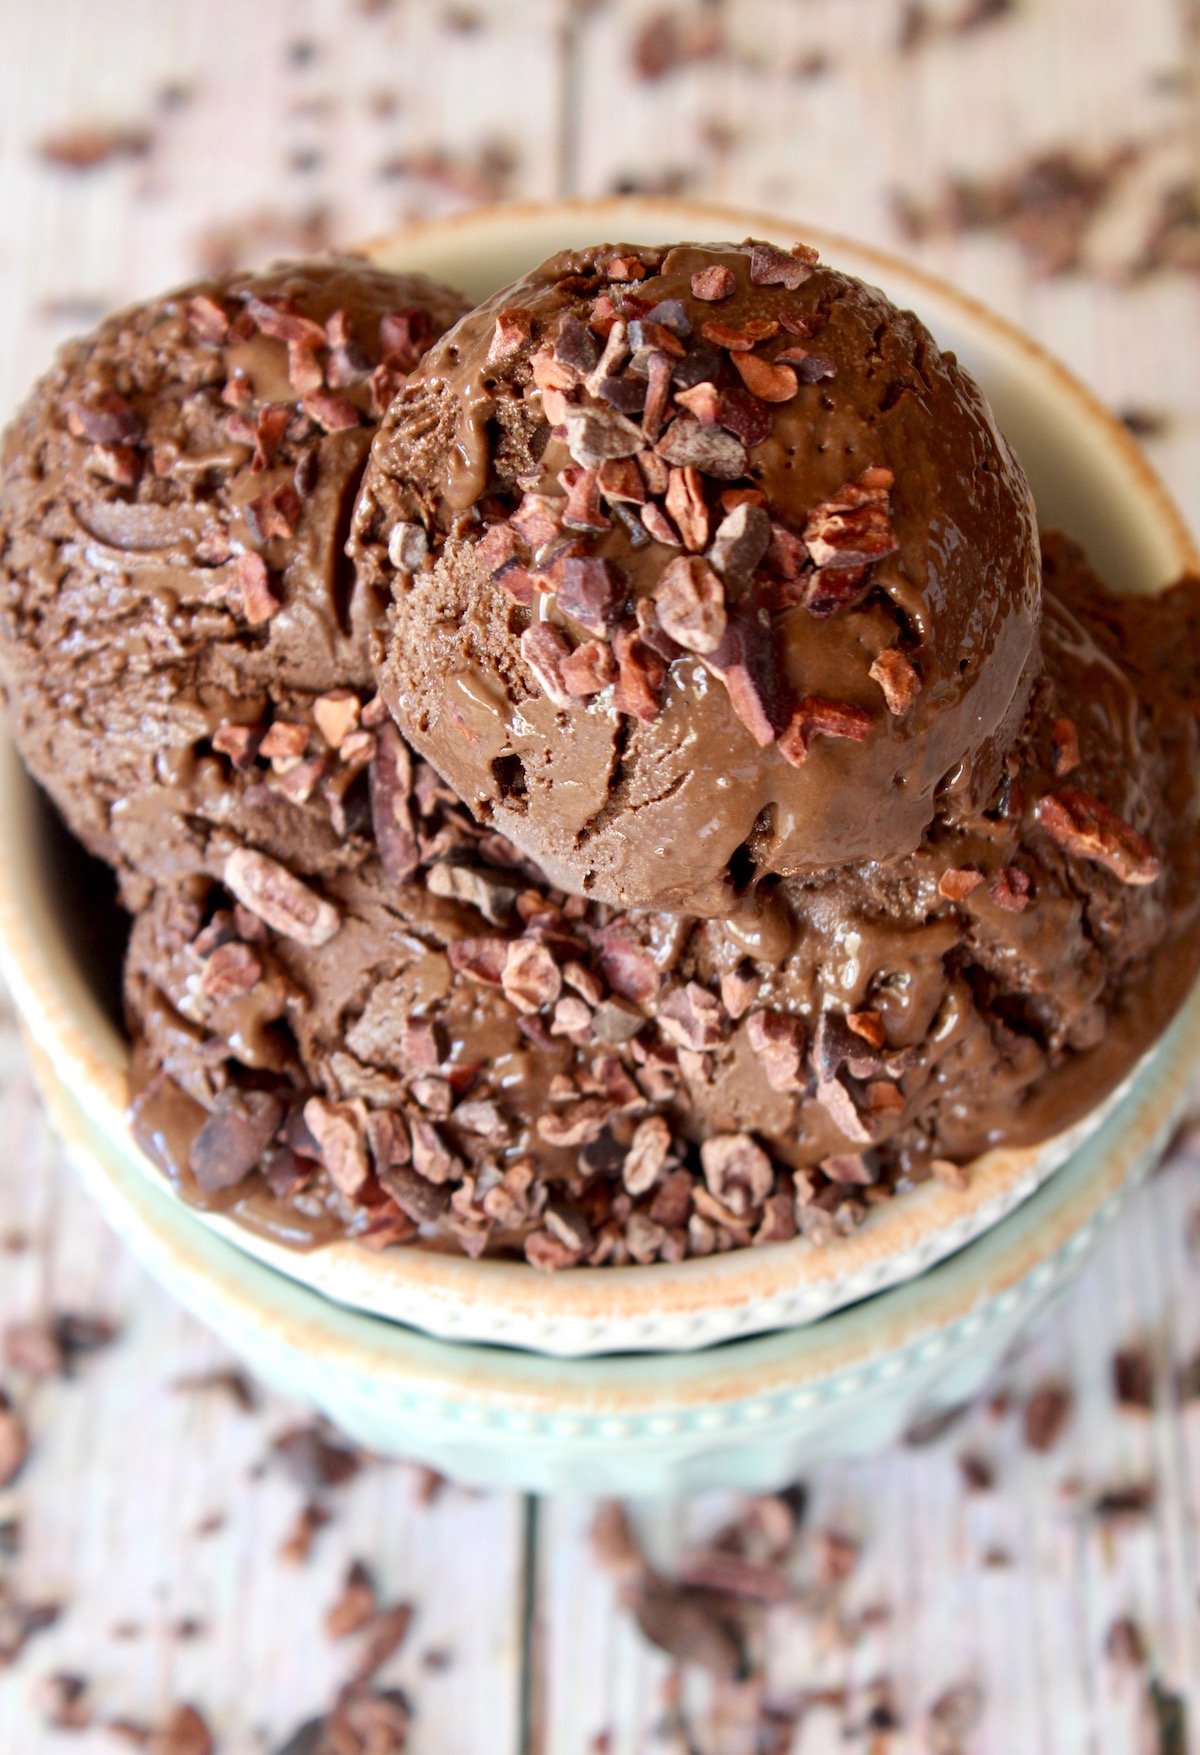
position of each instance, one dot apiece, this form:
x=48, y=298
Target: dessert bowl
x=1088, y=478
x=753, y=1414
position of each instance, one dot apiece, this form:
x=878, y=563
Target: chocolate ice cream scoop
x=706, y=567
x=436, y=1041
x=174, y=502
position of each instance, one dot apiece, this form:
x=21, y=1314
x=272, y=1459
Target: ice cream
x=706, y=567
x=473, y=1055
x=174, y=500
x=755, y=835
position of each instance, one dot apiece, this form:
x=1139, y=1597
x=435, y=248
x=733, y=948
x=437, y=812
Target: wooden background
x=228, y=131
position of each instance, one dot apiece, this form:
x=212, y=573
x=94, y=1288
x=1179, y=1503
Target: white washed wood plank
x=129, y=229
x=125, y=1470
x=1031, y=1633
x=831, y=150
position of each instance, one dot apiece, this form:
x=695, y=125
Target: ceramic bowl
x=1089, y=478
x=754, y=1414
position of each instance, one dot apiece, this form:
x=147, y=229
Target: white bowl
x=1088, y=477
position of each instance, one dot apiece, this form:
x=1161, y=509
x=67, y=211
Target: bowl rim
x=607, y=1304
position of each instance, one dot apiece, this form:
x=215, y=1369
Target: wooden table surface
x=230, y=131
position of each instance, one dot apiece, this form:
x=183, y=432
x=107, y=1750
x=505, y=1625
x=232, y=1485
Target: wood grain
x=289, y=122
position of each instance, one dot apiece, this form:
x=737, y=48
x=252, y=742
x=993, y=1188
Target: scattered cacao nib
x=1011, y=889
x=315, y=1458
x=764, y=378
x=640, y=676
x=89, y=147
x=108, y=419
x=268, y=433
x=340, y=1131
x=490, y=892
x=1084, y=826
x=1046, y=206
x=714, y=283
x=688, y=1625
x=854, y=526
x=1045, y=1416
x=692, y=1017
x=383, y=1633
x=229, y=1381
x=741, y=541
x=671, y=39
x=897, y=676
x=851, y=1169
x=745, y=661
x=53, y=1346
x=483, y=959
x=391, y=779
x=739, y=337
x=259, y=602
x=814, y=716
x=597, y=434
x=977, y=1473
x=233, y=1138
x=647, y=1155
x=14, y=1453
x=590, y=668
x=810, y=368
x=952, y=1718
x=737, y=1171
x=545, y=650
x=335, y=414
x=1124, y=1645
x=688, y=509
x=364, y=1722
x=281, y=900
x=1065, y=739
x=771, y=266
x=590, y=591
x=21, y=1621
x=690, y=600
x=1169, y=1720
x=408, y=546
x=512, y=332
x=1145, y=423
x=1118, y=1504
x=62, y=1701
x=712, y=450
x=530, y=978
x=959, y=882
x=838, y=1103
x=120, y=464
x=779, y=1042
x=420, y=1200
x=1133, y=1379
x=830, y=590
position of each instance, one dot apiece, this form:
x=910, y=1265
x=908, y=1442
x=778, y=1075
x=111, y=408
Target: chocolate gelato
x=471, y=1054
x=174, y=500
x=770, y=839
x=706, y=567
